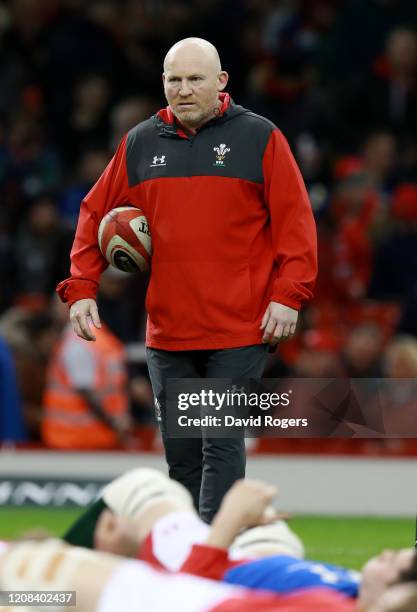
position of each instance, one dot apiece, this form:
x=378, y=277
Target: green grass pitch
x=341, y=540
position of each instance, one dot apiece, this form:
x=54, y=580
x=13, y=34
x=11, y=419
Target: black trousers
x=206, y=467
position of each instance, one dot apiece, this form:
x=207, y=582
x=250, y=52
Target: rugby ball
x=125, y=240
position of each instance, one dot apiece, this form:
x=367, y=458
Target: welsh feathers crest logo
x=221, y=151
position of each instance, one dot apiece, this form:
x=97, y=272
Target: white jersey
x=172, y=538
x=135, y=586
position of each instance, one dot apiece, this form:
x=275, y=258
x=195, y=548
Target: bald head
x=193, y=47
x=193, y=78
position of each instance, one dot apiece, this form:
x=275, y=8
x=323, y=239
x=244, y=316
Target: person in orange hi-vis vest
x=85, y=402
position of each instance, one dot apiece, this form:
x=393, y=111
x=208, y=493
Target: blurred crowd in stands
x=339, y=77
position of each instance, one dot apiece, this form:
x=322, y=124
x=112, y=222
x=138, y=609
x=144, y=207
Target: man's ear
x=222, y=80
x=163, y=78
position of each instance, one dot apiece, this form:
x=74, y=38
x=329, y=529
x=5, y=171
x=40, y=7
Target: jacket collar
x=169, y=124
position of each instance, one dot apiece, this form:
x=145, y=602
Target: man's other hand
x=80, y=313
x=279, y=323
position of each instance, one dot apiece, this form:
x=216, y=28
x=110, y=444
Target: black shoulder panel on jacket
x=232, y=148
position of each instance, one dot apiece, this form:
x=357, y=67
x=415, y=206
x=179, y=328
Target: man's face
x=191, y=85
x=381, y=572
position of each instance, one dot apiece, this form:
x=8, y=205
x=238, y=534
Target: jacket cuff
x=71, y=290
x=290, y=293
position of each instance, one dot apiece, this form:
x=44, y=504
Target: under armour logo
x=158, y=161
x=236, y=389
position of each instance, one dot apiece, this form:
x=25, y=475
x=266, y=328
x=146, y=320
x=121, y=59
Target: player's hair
x=409, y=574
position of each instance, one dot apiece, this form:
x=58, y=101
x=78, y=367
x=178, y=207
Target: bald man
x=234, y=249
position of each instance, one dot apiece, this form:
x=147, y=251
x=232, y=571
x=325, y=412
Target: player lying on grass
x=284, y=573
x=107, y=583
x=155, y=515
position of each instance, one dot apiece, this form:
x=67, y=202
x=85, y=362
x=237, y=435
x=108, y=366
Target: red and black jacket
x=230, y=220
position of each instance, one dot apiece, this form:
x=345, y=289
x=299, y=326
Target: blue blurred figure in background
x=12, y=427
